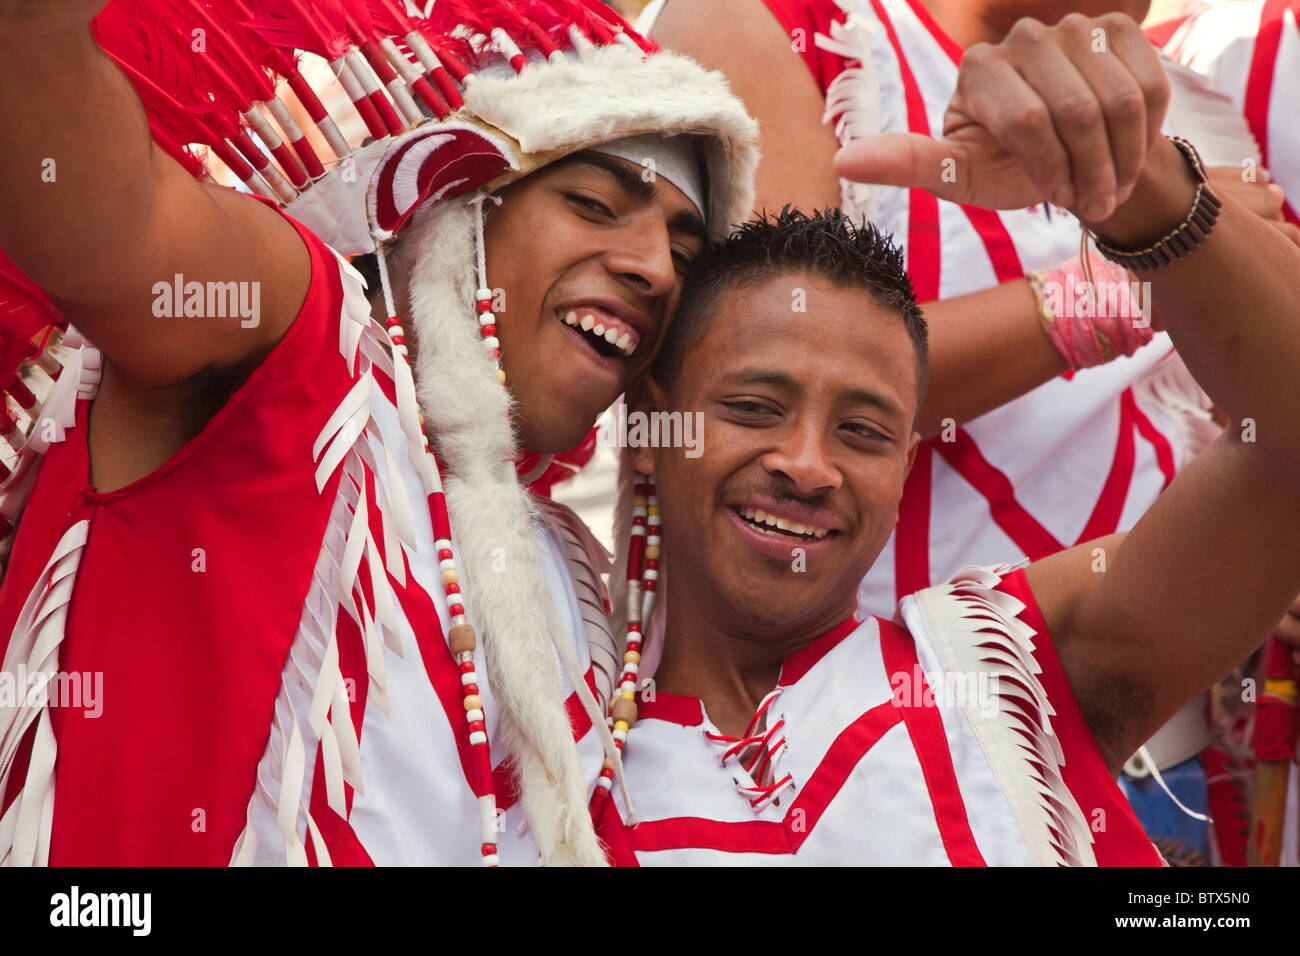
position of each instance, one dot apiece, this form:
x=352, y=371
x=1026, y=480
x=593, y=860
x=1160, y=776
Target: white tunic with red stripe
x=266, y=613
x=1081, y=456
x=889, y=753
x=1249, y=50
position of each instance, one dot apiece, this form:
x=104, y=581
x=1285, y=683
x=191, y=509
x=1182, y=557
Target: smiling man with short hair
x=985, y=723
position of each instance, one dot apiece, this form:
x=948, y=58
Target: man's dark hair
x=826, y=244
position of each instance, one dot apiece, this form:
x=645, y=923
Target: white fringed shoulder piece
x=853, y=98
x=41, y=625
x=349, y=443
x=1170, y=387
x=975, y=629
x=83, y=366
x=34, y=650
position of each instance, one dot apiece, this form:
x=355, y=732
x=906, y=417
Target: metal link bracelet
x=1186, y=237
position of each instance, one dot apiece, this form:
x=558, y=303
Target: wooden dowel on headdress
x=383, y=106
x=293, y=132
x=319, y=115
x=352, y=87
x=415, y=79
x=439, y=65
x=276, y=146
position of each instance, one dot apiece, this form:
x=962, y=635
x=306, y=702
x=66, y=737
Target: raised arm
x=971, y=335
x=1212, y=566
x=96, y=215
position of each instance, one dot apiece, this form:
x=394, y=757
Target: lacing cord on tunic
x=758, y=752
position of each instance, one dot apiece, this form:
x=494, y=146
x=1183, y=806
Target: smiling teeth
x=611, y=335
x=759, y=516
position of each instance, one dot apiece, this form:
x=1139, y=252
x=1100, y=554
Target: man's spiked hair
x=827, y=244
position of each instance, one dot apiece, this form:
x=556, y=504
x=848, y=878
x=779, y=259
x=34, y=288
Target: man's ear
x=911, y=452
x=644, y=397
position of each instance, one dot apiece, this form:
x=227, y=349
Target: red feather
x=233, y=59
x=161, y=51
x=233, y=15
x=318, y=27
x=360, y=24
x=389, y=17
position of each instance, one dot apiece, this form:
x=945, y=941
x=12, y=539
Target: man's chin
x=554, y=438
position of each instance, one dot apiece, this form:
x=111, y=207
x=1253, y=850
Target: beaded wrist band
x=1187, y=236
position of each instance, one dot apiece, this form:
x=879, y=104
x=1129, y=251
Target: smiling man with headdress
x=293, y=541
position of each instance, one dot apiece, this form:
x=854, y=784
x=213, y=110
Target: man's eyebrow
x=631, y=182
x=862, y=396
x=628, y=180
x=762, y=376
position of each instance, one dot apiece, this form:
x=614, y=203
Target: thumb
x=910, y=160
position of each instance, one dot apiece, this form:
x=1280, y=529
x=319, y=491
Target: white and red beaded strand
x=642, y=583
x=483, y=297
x=461, y=639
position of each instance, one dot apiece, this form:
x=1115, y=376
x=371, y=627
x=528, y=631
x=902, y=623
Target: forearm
x=986, y=349
x=78, y=168
x=1232, y=306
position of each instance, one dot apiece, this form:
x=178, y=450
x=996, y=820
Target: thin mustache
x=777, y=493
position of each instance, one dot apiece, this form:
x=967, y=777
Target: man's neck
x=730, y=668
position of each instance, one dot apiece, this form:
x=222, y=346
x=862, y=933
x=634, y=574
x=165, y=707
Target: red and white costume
x=881, y=772
x=1079, y=457
x=208, y=632
x=1249, y=50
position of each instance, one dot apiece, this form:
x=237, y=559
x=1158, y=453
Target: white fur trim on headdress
x=561, y=107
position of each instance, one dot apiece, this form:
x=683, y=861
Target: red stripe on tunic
x=1106, y=512
x=1008, y=514
x=930, y=742
x=1159, y=443
x=770, y=836
x=1259, y=82
x=912, y=533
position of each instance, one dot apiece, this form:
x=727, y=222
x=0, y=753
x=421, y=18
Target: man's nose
x=802, y=457
x=642, y=257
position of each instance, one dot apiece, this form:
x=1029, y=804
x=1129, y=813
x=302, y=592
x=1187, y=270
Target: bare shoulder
x=1113, y=703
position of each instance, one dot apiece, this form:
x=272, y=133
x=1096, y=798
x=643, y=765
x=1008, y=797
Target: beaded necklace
x=642, y=586
x=461, y=639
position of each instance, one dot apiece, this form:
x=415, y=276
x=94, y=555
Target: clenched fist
x=1064, y=114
